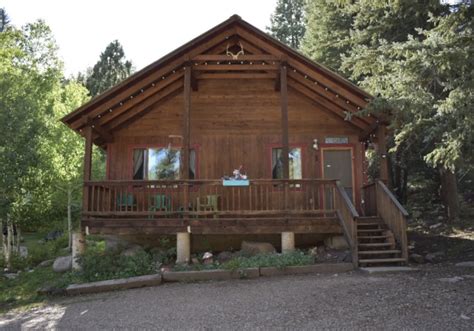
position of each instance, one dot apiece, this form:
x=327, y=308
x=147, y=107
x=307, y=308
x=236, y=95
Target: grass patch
x=296, y=258
x=22, y=291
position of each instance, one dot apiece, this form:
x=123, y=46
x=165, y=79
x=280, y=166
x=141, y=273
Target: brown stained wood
x=284, y=123
x=104, y=133
x=325, y=105
x=236, y=76
x=338, y=101
x=320, y=76
x=236, y=67
x=87, y=166
x=163, y=66
x=131, y=117
x=123, y=117
x=246, y=57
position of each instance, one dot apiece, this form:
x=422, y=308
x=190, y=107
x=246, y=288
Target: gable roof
x=163, y=79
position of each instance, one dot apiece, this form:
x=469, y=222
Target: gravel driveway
x=427, y=299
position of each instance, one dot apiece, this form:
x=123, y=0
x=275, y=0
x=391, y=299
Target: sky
x=146, y=29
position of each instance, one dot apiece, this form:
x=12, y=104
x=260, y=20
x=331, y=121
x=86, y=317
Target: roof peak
x=236, y=17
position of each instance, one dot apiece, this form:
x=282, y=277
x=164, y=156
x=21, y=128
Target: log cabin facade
x=235, y=97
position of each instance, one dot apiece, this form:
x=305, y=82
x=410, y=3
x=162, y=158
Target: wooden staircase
x=376, y=244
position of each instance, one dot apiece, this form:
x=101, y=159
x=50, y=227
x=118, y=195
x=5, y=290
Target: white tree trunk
x=69, y=217
x=8, y=251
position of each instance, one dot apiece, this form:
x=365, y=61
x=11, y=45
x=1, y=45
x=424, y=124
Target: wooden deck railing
x=347, y=215
x=379, y=201
x=208, y=198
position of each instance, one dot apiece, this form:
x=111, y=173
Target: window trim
x=132, y=147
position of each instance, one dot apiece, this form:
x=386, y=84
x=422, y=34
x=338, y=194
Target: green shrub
x=269, y=260
x=98, y=265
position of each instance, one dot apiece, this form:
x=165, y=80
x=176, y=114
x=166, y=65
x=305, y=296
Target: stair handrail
x=347, y=215
x=393, y=214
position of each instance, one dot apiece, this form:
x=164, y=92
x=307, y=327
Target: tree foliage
x=416, y=57
x=110, y=70
x=288, y=22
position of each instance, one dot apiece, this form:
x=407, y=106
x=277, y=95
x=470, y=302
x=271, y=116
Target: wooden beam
x=109, y=116
x=325, y=105
x=87, y=166
x=145, y=77
x=295, y=63
x=284, y=120
x=235, y=67
x=245, y=57
x=103, y=133
x=326, y=94
x=186, y=123
x=237, y=75
x=284, y=129
x=136, y=115
x=123, y=116
x=194, y=82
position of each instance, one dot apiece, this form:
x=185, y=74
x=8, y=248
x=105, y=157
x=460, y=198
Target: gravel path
x=428, y=299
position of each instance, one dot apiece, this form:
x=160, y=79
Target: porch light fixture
x=315, y=144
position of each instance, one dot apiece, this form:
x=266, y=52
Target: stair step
x=372, y=237
x=388, y=251
x=367, y=226
x=375, y=244
x=392, y=260
x=370, y=230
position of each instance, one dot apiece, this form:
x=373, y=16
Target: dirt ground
x=436, y=297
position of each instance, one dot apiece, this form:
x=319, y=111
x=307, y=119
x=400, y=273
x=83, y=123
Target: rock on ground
x=62, y=264
x=417, y=258
x=336, y=242
x=465, y=264
x=224, y=256
x=45, y=263
x=132, y=250
x=250, y=248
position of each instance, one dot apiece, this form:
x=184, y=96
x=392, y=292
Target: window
x=160, y=163
x=295, y=164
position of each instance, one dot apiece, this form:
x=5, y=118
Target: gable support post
x=284, y=128
x=183, y=239
x=80, y=242
x=87, y=164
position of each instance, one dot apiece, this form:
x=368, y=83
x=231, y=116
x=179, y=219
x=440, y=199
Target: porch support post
x=183, y=247
x=382, y=152
x=287, y=242
x=186, y=133
x=87, y=165
x=284, y=127
x=78, y=239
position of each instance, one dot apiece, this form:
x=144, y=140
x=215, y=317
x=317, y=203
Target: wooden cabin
x=236, y=98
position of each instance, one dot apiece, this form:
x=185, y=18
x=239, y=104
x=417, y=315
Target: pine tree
x=288, y=22
x=110, y=70
x=327, y=32
x=4, y=19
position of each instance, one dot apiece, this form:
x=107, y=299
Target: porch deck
x=208, y=207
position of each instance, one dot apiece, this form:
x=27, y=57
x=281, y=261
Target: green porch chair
x=210, y=203
x=159, y=202
x=126, y=202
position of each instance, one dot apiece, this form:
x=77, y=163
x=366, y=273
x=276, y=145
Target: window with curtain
x=295, y=164
x=160, y=163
